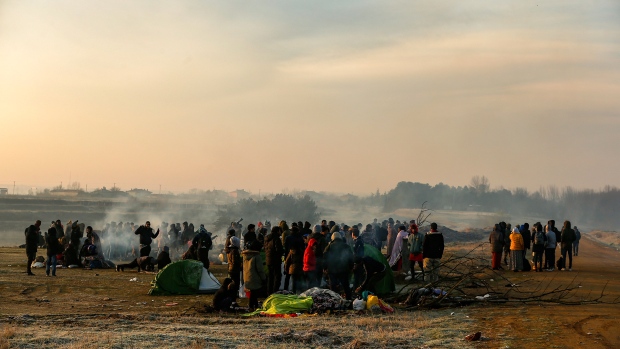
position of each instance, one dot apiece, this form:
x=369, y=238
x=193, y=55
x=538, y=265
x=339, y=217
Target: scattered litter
x=589, y=333
x=408, y=278
x=512, y=285
x=8, y=265
x=141, y=303
x=491, y=280
x=134, y=279
x=452, y=313
x=172, y=304
x=106, y=299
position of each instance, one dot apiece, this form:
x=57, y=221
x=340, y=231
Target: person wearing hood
x=254, y=278
x=146, y=238
x=396, y=258
x=496, y=239
x=310, y=269
x=232, y=248
x=516, y=250
x=53, y=248
x=339, y=264
x=566, y=245
x=284, y=230
x=274, y=251
x=550, y=248
x=249, y=237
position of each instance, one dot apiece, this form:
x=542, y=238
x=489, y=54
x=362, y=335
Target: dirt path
x=560, y=326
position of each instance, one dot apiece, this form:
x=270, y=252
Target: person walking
x=146, y=238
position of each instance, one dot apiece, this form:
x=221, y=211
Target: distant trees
x=281, y=206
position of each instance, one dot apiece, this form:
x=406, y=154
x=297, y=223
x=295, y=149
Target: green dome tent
x=184, y=277
x=385, y=285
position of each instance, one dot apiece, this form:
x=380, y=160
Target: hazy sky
x=344, y=96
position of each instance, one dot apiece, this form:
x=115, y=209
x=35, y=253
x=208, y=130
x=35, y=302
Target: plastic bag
x=359, y=304
x=372, y=301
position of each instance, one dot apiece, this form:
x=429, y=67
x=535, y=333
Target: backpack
x=539, y=238
x=205, y=242
x=560, y=263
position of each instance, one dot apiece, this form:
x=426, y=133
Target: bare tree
x=480, y=184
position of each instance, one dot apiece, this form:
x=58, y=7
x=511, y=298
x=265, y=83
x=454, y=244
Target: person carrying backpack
x=203, y=244
x=539, y=243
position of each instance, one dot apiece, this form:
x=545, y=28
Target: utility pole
x=160, y=189
x=13, y=187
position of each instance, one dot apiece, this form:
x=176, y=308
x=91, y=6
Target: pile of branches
x=467, y=278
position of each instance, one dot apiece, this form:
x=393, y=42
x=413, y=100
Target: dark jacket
x=358, y=248
x=527, y=238
x=32, y=239
x=338, y=257
x=146, y=235
x=496, y=239
x=321, y=244
x=295, y=259
x=53, y=246
x=273, y=249
x=163, y=259
x=568, y=237
x=433, y=245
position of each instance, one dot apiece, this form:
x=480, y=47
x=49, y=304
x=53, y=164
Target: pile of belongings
x=370, y=301
x=39, y=262
x=325, y=300
x=281, y=304
x=184, y=277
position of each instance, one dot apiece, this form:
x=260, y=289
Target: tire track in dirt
x=578, y=327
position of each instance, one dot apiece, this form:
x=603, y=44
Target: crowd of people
x=263, y=259
x=513, y=243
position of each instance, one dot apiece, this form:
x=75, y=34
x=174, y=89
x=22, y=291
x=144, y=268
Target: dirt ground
x=103, y=308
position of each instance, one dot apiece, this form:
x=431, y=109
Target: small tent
x=386, y=284
x=184, y=277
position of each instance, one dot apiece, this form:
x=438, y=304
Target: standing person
x=202, y=242
x=391, y=236
x=516, y=250
x=310, y=270
x=53, y=248
x=273, y=258
x=32, y=241
x=432, y=251
x=416, y=241
x=320, y=233
x=249, y=237
x=338, y=264
x=576, y=242
x=232, y=247
x=146, y=238
x=568, y=237
x=550, y=249
x=396, y=258
x=254, y=277
x=527, y=237
x=496, y=239
x=539, y=242
x=294, y=263
x=358, y=253
x=506, y=232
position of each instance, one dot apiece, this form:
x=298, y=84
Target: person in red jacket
x=310, y=270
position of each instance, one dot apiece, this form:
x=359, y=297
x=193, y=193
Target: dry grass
x=6, y=333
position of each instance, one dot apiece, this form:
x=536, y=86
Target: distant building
x=65, y=192
x=4, y=191
x=239, y=194
x=139, y=193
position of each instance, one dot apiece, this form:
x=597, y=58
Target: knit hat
x=335, y=236
x=515, y=230
x=166, y=249
x=317, y=228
